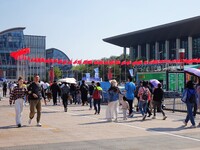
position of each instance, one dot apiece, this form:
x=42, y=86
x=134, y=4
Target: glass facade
x=162, y=50
x=172, y=49
x=38, y=46
x=152, y=51
x=196, y=47
x=14, y=39
x=135, y=52
x=58, y=54
x=10, y=40
x=184, y=44
x=143, y=51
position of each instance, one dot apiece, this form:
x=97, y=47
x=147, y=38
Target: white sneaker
x=29, y=121
x=39, y=124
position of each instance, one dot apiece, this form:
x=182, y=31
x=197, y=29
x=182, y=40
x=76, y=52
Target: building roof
x=55, y=49
x=183, y=28
x=12, y=29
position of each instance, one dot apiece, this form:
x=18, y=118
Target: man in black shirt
x=36, y=93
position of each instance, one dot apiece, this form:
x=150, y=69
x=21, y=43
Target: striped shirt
x=18, y=93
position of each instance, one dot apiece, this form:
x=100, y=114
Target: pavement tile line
x=136, y=127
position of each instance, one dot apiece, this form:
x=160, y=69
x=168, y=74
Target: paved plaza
x=80, y=129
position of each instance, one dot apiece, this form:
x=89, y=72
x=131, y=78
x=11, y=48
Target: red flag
x=117, y=62
x=79, y=62
x=123, y=62
x=90, y=62
x=101, y=62
x=128, y=62
x=75, y=62
x=85, y=61
x=69, y=62
x=95, y=62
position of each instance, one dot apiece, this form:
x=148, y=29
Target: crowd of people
x=149, y=98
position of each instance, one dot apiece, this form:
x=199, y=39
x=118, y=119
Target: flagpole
x=114, y=67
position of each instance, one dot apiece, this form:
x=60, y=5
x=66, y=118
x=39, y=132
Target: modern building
x=162, y=42
x=54, y=53
x=14, y=39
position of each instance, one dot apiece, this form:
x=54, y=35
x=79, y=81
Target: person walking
x=17, y=95
x=4, y=88
x=65, y=89
x=157, y=101
x=190, y=101
x=36, y=93
x=84, y=92
x=136, y=94
x=113, y=102
x=91, y=90
x=55, y=90
x=130, y=89
x=144, y=95
x=125, y=107
x=97, y=96
x=198, y=98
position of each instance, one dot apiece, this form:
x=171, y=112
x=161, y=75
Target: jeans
x=143, y=107
x=97, y=102
x=189, y=113
x=90, y=101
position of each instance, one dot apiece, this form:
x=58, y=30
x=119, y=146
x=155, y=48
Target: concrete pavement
x=80, y=129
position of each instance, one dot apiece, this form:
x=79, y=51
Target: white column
x=157, y=51
x=139, y=52
x=166, y=49
x=177, y=48
x=148, y=51
x=131, y=53
x=189, y=47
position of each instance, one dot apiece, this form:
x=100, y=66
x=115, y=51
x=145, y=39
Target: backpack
x=96, y=94
x=144, y=94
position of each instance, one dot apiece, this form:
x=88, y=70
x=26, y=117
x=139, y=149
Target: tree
x=57, y=72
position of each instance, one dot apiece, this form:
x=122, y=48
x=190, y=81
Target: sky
x=78, y=27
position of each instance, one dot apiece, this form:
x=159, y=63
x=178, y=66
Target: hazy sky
x=77, y=27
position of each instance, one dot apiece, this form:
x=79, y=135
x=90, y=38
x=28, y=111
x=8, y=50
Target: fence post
x=174, y=101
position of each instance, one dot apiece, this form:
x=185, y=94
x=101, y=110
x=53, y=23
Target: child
x=125, y=107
